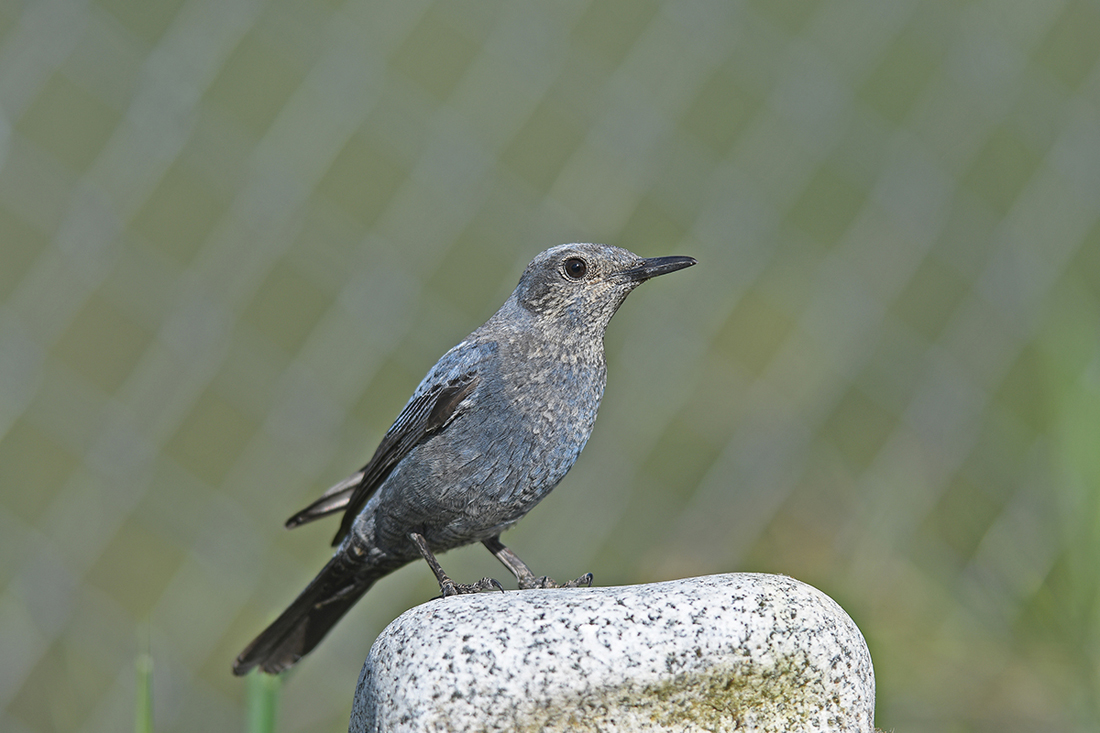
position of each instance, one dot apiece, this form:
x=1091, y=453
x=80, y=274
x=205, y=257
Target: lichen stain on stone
x=780, y=697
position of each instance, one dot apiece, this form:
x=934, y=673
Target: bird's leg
x=515, y=566
x=524, y=576
x=447, y=586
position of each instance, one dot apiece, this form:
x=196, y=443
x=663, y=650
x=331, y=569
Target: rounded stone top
x=731, y=652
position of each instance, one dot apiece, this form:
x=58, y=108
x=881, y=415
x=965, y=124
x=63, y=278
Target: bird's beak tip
x=653, y=266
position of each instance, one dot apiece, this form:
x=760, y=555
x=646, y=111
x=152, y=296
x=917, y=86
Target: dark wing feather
x=425, y=415
x=333, y=500
x=430, y=413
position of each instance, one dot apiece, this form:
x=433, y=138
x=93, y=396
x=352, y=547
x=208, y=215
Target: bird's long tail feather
x=306, y=621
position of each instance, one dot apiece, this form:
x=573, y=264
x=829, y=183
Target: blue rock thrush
x=495, y=425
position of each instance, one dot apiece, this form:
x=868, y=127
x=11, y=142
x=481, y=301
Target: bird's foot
x=450, y=588
x=585, y=581
x=546, y=581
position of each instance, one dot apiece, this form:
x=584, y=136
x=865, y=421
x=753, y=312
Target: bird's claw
x=546, y=581
x=450, y=588
x=585, y=581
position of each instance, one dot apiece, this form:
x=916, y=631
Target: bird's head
x=580, y=286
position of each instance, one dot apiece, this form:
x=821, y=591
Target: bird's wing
x=426, y=414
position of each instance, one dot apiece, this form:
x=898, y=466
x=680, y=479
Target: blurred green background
x=235, y=235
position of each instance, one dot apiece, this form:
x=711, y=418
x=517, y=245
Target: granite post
x=743, y=651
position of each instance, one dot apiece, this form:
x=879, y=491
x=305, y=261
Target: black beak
x=654, y=266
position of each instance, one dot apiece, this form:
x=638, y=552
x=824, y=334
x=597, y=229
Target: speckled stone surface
x=744, y=652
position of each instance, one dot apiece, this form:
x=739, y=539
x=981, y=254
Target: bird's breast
x=552, y=405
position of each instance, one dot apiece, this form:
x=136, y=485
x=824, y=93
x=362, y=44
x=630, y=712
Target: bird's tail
x=306, y=621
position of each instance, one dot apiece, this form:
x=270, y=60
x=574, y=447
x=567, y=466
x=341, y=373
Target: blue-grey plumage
x=491, y=430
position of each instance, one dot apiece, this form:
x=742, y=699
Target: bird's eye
x=575, y=268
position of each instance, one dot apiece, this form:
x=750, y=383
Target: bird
x=489, y=432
